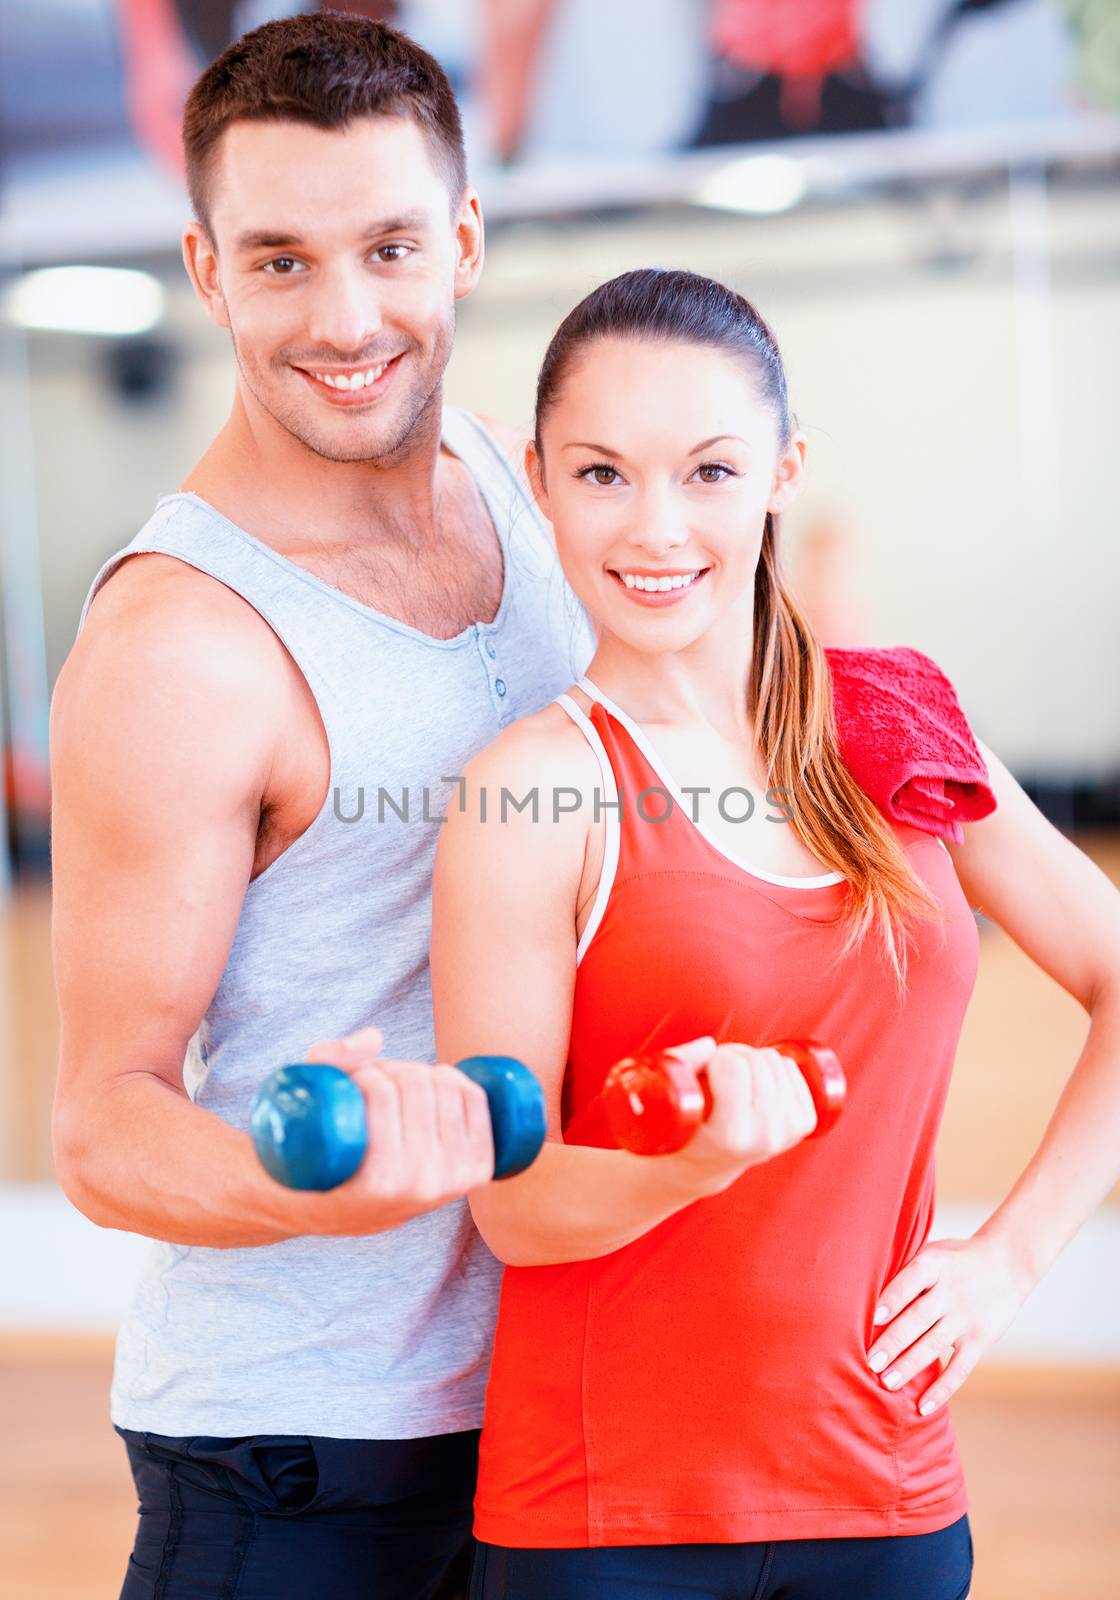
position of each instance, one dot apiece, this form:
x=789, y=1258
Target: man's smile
x=351, y=386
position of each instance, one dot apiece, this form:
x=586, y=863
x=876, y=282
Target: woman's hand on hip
x=952, y=1302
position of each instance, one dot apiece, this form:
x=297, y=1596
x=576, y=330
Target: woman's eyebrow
x=705, y=444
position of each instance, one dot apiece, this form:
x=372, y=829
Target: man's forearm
x=151, y=1162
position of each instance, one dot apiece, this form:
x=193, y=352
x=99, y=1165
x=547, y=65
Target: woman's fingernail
x=881, y=1314
x=877, y=1361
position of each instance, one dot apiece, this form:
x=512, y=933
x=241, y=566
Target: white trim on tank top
x=611, y=817
x=820, y=881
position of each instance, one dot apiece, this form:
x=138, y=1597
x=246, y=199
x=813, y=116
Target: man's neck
x=284, y=494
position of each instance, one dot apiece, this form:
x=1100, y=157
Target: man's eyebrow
x=705, y=444
x=279, y=239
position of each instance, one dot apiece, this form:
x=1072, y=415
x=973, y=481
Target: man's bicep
x=157, y=771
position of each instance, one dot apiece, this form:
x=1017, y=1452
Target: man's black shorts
x=281, y=1517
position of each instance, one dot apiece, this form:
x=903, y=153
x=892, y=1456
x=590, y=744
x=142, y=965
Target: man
x=348, y=597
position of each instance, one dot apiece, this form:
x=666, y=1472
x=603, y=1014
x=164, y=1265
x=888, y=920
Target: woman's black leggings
x=921, y=1566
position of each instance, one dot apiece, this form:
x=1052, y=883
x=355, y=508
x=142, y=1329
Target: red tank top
x=709, y=1381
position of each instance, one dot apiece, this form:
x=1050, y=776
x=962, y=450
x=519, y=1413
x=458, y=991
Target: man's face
x=338, y=258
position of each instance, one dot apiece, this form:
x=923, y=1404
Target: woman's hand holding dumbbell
x=723, y=1108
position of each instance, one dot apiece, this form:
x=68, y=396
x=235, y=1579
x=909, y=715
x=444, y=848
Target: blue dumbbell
x=308, y=1120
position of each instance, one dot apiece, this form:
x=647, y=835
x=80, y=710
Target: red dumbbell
x=654, y=1104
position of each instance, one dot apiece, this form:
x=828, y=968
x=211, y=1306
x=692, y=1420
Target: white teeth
x=636, y=581
x=351, y=380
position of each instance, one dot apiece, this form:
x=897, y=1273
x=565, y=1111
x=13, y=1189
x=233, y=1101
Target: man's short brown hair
x=324, y=69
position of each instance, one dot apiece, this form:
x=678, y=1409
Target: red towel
x=906, y=741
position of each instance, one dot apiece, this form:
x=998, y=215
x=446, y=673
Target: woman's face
x=660, y=462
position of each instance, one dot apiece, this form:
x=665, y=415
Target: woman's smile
x=649, y=586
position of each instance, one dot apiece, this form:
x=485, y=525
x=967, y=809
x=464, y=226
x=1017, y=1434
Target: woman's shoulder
x=546, y=768
x=895, y=667
x=905, y=738
x=544, y=741
x=896, y=661
x=899, y=690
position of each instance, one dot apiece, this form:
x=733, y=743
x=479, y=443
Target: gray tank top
x=387, y=1336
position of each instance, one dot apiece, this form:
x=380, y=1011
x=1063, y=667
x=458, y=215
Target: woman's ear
x=788, y=474
x=534, y=471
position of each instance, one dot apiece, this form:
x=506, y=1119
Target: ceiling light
x=107, y=300
x=758, y=184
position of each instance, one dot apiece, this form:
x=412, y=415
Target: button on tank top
x=387, y=1336
x=708, y=1382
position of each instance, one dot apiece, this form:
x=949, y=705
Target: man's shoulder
x=510, y=437
x=158, y=609
x=170, y=659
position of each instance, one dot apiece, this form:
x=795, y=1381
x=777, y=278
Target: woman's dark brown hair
x=324, y=69
x=789, y=690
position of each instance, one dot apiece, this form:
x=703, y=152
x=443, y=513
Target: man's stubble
x=416, y=417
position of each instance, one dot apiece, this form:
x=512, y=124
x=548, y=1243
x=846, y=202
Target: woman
x=718, y=1372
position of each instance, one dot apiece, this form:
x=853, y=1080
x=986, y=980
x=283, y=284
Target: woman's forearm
x=576, y=1202
x=1077, y=1163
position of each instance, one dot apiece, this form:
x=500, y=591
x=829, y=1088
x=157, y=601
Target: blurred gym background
x=922, y=198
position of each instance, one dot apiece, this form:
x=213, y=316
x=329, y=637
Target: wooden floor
x=1041, y=1455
